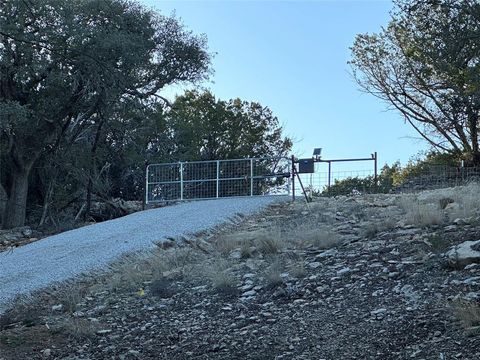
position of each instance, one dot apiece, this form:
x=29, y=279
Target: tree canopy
x=204, y=128
x=426, y=65
x=65, y=64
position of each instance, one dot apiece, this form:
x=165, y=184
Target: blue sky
x=292, y=57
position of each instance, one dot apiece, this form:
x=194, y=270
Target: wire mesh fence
x=320, y=183
x=437, y=177
x=364, y=181
x=272, y=176
x=217, y=179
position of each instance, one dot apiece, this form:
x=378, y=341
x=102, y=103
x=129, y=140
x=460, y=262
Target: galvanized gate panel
x=218, y=179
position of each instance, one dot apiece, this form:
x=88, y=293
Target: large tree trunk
x=3, y=204
x=473, y=127
x=17, y=200
x=93, y=155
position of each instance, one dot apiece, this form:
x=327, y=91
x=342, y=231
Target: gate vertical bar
x=146, y=185
x=218, y=178
x=181, y=180
x=251, y=177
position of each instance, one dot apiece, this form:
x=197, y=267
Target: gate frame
x=289, y=175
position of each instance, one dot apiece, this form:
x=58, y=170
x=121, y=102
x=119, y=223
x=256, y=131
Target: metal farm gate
x=218, y=179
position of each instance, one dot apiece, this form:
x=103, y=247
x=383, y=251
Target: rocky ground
x=365, y=277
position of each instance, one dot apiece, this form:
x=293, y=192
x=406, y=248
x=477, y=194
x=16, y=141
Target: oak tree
x=65, y=63
x=426, y=65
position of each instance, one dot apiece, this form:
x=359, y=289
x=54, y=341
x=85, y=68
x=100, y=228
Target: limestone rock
x=464, y=254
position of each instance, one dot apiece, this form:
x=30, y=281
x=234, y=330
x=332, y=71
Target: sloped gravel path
x=63, y=256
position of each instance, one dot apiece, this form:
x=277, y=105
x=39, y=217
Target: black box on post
x=306, y=166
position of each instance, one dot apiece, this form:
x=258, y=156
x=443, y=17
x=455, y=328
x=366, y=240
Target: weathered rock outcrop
x=464, y=254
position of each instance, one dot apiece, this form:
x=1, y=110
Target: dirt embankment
x=346, y=278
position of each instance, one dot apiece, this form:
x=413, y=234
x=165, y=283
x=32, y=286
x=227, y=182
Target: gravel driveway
x=63, y=256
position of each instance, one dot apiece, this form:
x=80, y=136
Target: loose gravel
x=66, y=255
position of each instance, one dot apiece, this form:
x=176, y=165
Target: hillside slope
x=363, y=277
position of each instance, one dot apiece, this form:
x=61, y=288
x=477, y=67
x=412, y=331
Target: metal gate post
x=181, y=181
x=293, y=177
x=251, y=177
x=218, y=178
x=289, y=179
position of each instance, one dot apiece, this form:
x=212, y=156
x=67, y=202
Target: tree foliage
x=365, y=185
x=204, y=128
x=434, y=165
x=68, y=67
x=426, y=65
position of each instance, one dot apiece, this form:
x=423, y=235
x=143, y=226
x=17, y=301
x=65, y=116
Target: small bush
x=23, y=313
x=439, y=243
x=162, y=288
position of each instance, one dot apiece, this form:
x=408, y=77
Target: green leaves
x=66, y=65
x=425, y=64
x=204, y=128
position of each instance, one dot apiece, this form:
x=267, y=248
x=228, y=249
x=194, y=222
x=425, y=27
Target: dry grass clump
x=133, y=272
x=373, y=227
x=226, y=244
x=23, y=313
x=272, y=274
x=468, y=313
x=369, y=230
x=220, y=275
x=318, y=238
x=70, y=297
x=424, y=215
x=430, y=207
x=175, y=263
x=298, y=270
x=420, y=213
x=128, y=274
x=270, y=241
x=241, y=240
x=468, y=200
x=80, y=329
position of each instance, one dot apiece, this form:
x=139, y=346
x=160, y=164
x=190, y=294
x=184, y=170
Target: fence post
x=251, y=177
x=218, y=178
x=375, y=159
x=329, y=174
x=181, y=180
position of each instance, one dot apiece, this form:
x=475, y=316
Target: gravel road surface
x=63, y=256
